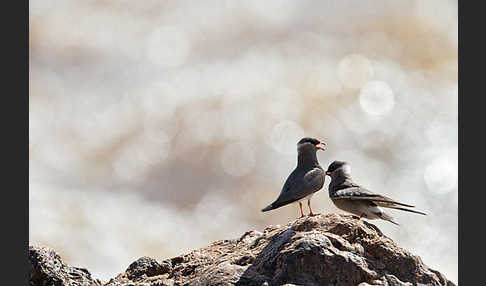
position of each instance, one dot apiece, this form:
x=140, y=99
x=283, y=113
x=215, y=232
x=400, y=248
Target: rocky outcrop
x=322, y=250
x=46, y=268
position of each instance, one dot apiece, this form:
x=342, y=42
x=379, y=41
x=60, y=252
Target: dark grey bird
x=352, y=198
x=306, y=179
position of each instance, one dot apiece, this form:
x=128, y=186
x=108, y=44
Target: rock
x=327, y=249
x=47, y=268
x=147, y=267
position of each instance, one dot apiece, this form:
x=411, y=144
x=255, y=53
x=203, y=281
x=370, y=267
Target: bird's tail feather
x=386, y=217
x=268, y=208
x=276, y=204
x=404, y=209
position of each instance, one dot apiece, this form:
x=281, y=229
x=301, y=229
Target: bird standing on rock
x=307, y=178
x=350, y=197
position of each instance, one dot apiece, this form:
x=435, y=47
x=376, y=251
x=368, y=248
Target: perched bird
x=350, y=197
x=307, y=178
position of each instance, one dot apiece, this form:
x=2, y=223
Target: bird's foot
x=313, y=214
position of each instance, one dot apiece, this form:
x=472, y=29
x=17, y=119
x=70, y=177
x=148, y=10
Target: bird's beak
x=328, y=173
x=321, y=147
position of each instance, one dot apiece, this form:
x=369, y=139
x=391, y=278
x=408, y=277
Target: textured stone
x=47, y=268
x=326, y=250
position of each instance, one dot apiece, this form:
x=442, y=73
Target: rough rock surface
x=327, y=249
x=46, y=268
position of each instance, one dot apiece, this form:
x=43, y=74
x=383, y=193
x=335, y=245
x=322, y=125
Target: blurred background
x=158, y=127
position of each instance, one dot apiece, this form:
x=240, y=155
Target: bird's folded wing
x=359, y=193
x=288, y=192
x=301, y=184
x=314, y=179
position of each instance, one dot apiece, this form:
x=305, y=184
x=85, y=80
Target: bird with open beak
x=306, y=179
x=352, y=198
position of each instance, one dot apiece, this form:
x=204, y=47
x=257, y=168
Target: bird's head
x=338, y=168
x=310, y=144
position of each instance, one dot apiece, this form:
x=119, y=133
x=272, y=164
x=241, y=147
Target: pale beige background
x=157, y=127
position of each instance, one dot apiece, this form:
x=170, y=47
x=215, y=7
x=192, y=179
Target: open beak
x=321, y=147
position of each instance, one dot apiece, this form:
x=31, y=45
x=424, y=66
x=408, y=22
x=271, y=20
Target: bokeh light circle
x=355, y=70
x=376, y=98
x=441, y=174
x=284, y=137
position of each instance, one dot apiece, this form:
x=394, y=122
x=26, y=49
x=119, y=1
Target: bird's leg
x=310, y=209
x=301, y=211
x=362, y=216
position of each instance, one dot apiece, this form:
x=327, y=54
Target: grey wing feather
x=314, y=180
x=286, y=193
x=300, y=185
x=404, y=209
x=359, y=193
